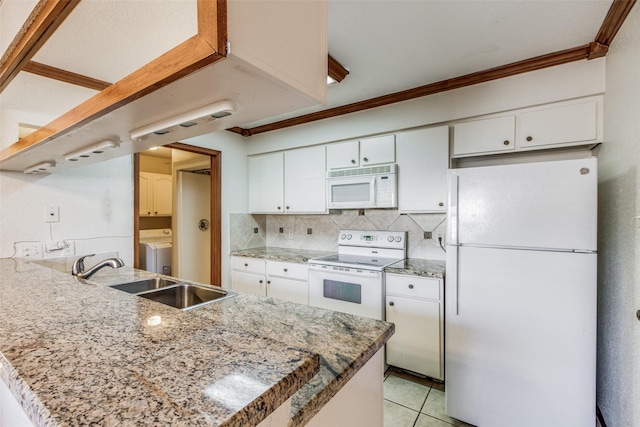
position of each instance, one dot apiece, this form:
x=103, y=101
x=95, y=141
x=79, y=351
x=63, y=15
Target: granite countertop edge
x=298, y=256
x=418, y=267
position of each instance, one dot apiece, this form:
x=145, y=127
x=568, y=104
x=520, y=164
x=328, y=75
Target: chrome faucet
x=78, y=266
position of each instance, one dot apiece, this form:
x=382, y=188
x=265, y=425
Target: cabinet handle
x=268, y=282
x=410, y=286
x=353, y=162
x=246, y=265
x=261, y=281
x=529, y=138
x=148, y=213
x=156, y=212
x=279, y=208
x=287, y=207
x=391, y=304
x=440, y=204
x=506, y=142
x=285, y=270
x=364, y=159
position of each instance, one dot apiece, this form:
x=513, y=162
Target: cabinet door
x=380, y=149
x=162, y=190
x=266, y=183
x=416, y=344
x=343, y=155
x=559, y=125
x=484, y=136
x=146, y=198
x=288, y=289
x=305, y=180
x=423, y=159
x=248, y=282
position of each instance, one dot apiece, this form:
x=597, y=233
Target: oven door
x=349, y=290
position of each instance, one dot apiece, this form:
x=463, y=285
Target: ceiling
x=387, y=45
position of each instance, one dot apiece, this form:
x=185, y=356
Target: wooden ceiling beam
x=43, y=21
x=336, y=71
x=613, y=21
x=65, y=76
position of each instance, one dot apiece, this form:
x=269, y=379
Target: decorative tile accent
x=326, y=228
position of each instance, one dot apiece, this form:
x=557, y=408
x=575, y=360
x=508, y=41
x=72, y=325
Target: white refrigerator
x=520, y=314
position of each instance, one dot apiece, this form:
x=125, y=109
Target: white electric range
x=352, y=281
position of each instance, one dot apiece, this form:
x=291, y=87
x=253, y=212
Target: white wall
x=96, y=208
x=619, y=233
x=234, y=183
x=577, y=79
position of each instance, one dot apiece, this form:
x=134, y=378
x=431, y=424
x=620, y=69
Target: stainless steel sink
x=145, y=285
x=174, y=293
x=186, y=297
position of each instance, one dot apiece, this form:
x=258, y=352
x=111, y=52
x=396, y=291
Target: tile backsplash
x=320, y=232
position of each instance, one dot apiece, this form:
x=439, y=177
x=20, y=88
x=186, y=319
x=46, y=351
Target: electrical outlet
x=51, y=214
x=290, y=234
x=29, y=250
x=440, y=238
x=59, y=249
x=428, y=235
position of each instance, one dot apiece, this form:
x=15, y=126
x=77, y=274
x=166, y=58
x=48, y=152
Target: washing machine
x=156, y=250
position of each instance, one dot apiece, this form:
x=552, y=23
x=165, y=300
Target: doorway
x=189, y=175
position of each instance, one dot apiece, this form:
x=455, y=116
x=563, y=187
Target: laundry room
x=162, y=216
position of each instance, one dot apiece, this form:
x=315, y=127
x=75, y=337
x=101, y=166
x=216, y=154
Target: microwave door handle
x=373, y=191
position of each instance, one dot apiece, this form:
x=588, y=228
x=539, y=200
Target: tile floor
x=410, y=401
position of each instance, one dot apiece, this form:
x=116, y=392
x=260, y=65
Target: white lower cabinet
x=282, y=280
x=414, y=304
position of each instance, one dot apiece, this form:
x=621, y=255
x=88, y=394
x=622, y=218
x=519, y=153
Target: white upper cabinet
x=360, y=153
x=423, y=159
x=305, y=180
x=380, y=149
x=266, y=183
x=559, y=125
x=155, y=194
x=288, y=182
x=484, y=136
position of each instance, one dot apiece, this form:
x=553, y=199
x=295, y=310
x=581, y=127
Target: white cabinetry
x=414, y=304
x=282, y=280
x=497, y=134
x=288, y=281
x=248, y=275
x=562, y=124
x=155, y=194
x=288, y=182
x=423, y=159
x=363, y=152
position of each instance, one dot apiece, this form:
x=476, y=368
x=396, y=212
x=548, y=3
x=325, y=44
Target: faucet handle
x=78, y=265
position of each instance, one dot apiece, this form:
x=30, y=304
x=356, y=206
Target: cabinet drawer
x=287, y=269
x=413, y=286
x=250, y=265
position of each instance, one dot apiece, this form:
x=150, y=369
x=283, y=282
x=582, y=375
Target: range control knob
x=349, y=236
x=390, y=239
x=398, y=238
x=342, y=236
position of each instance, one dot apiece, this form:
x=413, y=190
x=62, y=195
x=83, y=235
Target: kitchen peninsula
x=75, y=352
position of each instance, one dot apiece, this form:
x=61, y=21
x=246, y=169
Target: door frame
x=216, y=207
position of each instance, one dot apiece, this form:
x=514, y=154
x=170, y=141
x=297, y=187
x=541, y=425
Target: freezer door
x=521, y=350
x=533, y=205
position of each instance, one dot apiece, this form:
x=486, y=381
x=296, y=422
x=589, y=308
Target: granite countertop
x=418, y=267
x=299, y=256
x=76, y=352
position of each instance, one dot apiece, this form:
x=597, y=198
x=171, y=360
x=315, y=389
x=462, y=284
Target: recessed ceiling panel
x=109, y=39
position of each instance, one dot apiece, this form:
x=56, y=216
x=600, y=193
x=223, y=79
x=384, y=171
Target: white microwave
x=368, y=187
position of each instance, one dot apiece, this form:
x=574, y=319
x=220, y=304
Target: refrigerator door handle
x=452, y=280
x=453, y=210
